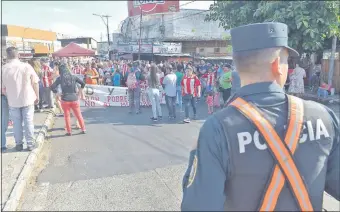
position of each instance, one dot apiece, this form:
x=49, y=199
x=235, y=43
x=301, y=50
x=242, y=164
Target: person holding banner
x=134, y=76
x=69, y=96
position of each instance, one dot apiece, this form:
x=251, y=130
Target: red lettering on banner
x=118, y=99
x=89, y=103
x=106, y=104
x=92, y=98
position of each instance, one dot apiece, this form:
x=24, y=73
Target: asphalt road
x=124, y=162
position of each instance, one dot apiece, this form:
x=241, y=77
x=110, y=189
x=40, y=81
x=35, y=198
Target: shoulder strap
x=285, y=169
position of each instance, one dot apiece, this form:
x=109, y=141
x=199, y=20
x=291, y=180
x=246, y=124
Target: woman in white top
x=297, y=85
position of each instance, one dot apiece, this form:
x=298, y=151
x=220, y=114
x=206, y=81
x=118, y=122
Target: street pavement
x=12, y=162
x=124, y=162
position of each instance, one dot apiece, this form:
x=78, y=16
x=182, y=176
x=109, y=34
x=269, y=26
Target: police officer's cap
x=261, y=36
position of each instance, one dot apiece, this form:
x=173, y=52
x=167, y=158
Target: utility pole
x=107, y=29
x=140, y=32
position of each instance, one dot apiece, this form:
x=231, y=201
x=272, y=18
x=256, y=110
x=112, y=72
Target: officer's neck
x=247, y=80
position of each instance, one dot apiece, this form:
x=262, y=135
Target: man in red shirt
x=47, y=81
x=191, y=89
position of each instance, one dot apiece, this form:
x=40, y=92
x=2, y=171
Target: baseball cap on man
x=261, y=36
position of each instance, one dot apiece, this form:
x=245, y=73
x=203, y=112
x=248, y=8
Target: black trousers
x=226, y=94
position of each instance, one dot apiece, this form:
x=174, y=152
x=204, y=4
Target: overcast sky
x=73, y=17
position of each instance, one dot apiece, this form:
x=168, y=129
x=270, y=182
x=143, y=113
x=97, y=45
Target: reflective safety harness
x=282, y=152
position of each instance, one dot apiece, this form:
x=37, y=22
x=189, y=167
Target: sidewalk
x=17, y=166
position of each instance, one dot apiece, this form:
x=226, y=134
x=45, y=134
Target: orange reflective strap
x=291, y=139
x=285, y=163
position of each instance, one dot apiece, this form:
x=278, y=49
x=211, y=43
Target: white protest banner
x=107, y=96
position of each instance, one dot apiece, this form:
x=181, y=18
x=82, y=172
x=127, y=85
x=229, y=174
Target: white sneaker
x=187, y=120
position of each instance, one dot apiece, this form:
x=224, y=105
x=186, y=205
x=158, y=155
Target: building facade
x=187, y=28
x=30, y=42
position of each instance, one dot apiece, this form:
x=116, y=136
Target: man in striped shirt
x=191, y=89
x=47, y=81
x=77, y=69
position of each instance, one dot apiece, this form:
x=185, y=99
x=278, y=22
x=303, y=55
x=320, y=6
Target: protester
x=77, y=69
x=4, y=119
x=20, y=84
x=58, y=94
x=37, y=68
x=179, y=77
x=134, y=76
x=47, y=80
x=324, y=90
x=154, y=96
x=210, y=80
x=297, y=86
x=210, y=102
x=169, y=83
x=117, y=78
x=101, y=74
x=191, y=89
x=225, y=83
x=91, y=75
x=69, y=96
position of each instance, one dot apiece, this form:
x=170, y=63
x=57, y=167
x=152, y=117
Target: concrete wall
x=184, y=25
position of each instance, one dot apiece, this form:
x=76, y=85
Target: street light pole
x=140, y=33
x=107, y=29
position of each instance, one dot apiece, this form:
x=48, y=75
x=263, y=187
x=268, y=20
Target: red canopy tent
x=73, y=50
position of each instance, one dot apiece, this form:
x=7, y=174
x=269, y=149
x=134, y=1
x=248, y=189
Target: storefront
x=153, y=51
x=30, y=42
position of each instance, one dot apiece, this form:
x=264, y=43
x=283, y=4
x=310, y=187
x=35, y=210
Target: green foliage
x=310, y=23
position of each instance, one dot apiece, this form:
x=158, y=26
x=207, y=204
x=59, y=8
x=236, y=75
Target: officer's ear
x=276, y=67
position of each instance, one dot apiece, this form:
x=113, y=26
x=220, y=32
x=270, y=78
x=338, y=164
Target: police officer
x=266, y=150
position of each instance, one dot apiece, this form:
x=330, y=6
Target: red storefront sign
x=152, y=6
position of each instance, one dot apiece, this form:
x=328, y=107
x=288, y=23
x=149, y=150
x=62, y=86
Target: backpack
x=131, y=81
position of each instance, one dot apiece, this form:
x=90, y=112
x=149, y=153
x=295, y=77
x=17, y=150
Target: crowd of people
x=184, y=84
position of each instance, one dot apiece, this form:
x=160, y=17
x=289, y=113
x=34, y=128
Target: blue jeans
x=322, y=93
x=189, y=100
x=171, y=105
x=179, y=96
x=4, y=119
x=20, y=115
x=134, y=99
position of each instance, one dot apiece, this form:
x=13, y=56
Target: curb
x=13, y=201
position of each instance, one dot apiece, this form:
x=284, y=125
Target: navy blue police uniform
x=265, y=150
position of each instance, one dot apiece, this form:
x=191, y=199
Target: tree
x=310, y=23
